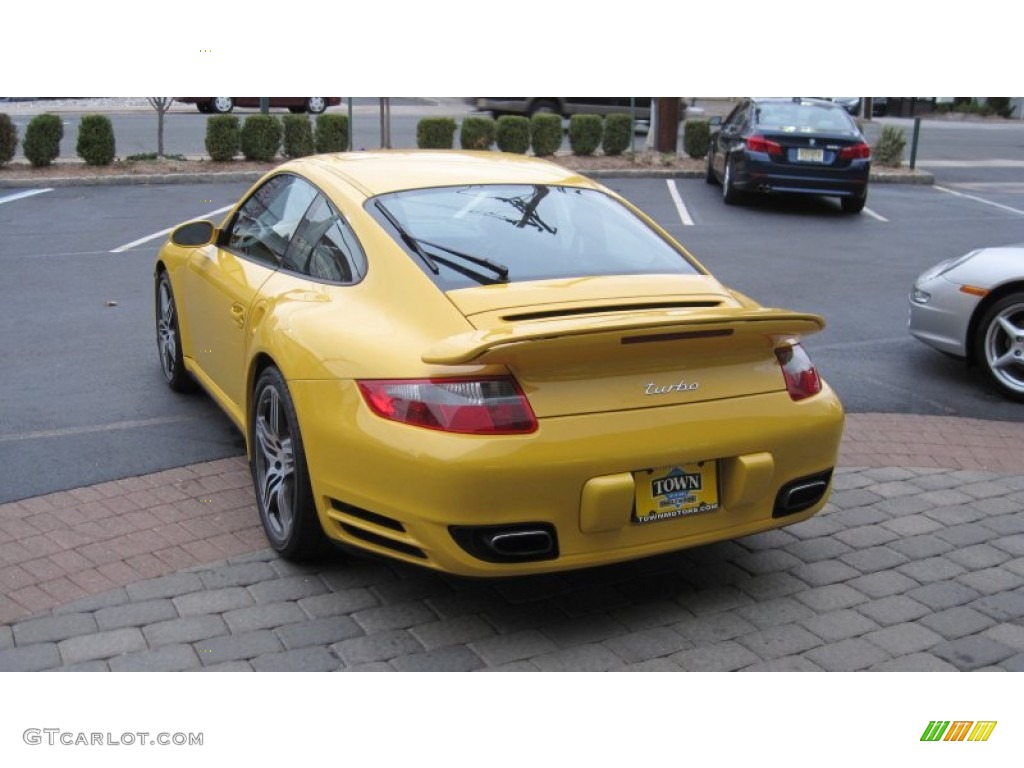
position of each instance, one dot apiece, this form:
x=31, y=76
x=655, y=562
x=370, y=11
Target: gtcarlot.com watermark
x=53, y=737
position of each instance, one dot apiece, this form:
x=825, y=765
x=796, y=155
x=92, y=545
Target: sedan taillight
x=801, y=376
x=761, y=144
x=483, y=406
x=855, y=152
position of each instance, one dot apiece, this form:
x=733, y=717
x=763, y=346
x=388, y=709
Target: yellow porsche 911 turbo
x=489, y=365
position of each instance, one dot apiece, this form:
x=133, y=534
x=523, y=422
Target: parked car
x=793, y=146
x=221, y=105
x=566, y=106
x=488, y=365
x=972, y=307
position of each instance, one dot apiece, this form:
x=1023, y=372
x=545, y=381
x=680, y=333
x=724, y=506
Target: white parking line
x=684, y=215
x=979, y=200
x=162, y=232
x=26, y=193
x=874, y=215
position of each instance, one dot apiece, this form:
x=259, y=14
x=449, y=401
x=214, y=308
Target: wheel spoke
x=1009, y=328
x=267, y=440
x=1007, y=361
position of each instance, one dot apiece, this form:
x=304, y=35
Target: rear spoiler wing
x=499, y=345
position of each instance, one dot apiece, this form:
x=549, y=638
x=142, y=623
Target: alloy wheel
x=1003, y=346
x=275, y=464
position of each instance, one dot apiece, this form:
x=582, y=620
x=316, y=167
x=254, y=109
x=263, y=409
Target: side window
x=265, y=223
x=324, y=247
x=737, y=114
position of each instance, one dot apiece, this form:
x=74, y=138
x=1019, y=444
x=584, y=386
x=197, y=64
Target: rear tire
x=853, y=204
x=709, y=172
x=284, y=495
x=730, y=194
x=221, y=105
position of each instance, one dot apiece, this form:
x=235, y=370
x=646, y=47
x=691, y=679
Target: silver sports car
x=972, y=307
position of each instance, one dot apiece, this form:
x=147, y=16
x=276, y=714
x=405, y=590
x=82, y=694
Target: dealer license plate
x=682, y=490
x=806, y=155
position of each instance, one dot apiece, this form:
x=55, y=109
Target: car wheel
x=709, y=173
x=204, y=106
x=999, y=344
x=729, y=192
x=316, y=104
x=168, y=337
x=544, y=107
x=222, y=105
x=284, y=496
x=853, y=204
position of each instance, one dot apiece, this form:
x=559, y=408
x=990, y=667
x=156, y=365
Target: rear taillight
x=801, y=376
x=761, y=144
x=484, y=406
x=855, y=152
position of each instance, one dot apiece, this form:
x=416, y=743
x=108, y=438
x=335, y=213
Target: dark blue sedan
x=801, y=146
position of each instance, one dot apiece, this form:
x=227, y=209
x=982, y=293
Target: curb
x=914, y=177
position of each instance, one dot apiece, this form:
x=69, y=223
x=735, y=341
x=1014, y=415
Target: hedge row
x=260, y=137
x=542, y=133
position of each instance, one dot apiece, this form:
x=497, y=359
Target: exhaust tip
x=801, y=494
x=517, y=543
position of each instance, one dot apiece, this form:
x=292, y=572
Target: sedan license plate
x=682, y=490
x=807, y=155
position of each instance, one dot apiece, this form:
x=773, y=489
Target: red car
x=224, y=104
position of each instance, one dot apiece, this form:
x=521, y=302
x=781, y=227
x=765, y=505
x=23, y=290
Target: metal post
x=913, y=142
x=350, y=126
x=385, y=123
x=265, y=105
x=632, y=126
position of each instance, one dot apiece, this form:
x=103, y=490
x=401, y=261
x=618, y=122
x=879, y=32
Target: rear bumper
x=400, y=491
x=759, y=174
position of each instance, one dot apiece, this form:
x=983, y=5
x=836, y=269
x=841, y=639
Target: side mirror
x=715, y=121
x=194, y=234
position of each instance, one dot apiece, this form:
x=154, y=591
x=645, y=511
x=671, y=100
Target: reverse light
x=761, y=144
x=855, y=152
x=480, y=406
x=801, y=376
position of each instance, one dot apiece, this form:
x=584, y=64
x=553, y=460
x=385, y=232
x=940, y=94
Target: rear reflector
x=485, y=406
x=801, y=376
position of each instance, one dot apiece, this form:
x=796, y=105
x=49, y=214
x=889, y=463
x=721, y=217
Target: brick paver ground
x=917, y=563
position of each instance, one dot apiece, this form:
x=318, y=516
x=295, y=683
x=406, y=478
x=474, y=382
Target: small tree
x=95, y=142
x=261, y=137
x=42, y=139
x=616, y=134
x=545, y=133
x=331, y=133
x=888, y=149
x=585, y=133
x=298, y=136
x=161, y=104
x=512, y=134
x=8, y=139
x=435, y=133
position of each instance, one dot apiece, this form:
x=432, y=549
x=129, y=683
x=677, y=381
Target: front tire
x=999, y=345
x=221, y=105
x=284, y=496
x=168, y=337
x=315, y=105
x=730, y=194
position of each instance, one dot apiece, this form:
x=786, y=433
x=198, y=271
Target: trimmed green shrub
x=42, y=139
x=888, y=150
x=298, y=136
x=261, y=137
x=95, y=142
x=616, y=134
x=331, y=133
x=512, y=134
x=476, y=133
x=696, y=138
x=223, y=137
x=545, y=133
x=8, y=139
x=585, y=133
x=1000, y=105
x=435, y=133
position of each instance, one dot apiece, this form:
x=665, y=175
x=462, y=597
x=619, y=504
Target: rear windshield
x=523, y=232
x=804, y=118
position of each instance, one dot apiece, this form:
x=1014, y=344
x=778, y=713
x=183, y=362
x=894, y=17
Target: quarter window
x=324, y=247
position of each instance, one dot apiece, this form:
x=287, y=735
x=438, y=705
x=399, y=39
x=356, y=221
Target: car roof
x=794, y=100
x=375, y=173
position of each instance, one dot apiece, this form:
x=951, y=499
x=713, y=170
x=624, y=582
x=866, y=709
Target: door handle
x=238, y=314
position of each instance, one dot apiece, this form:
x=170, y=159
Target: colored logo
x=958, y=730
